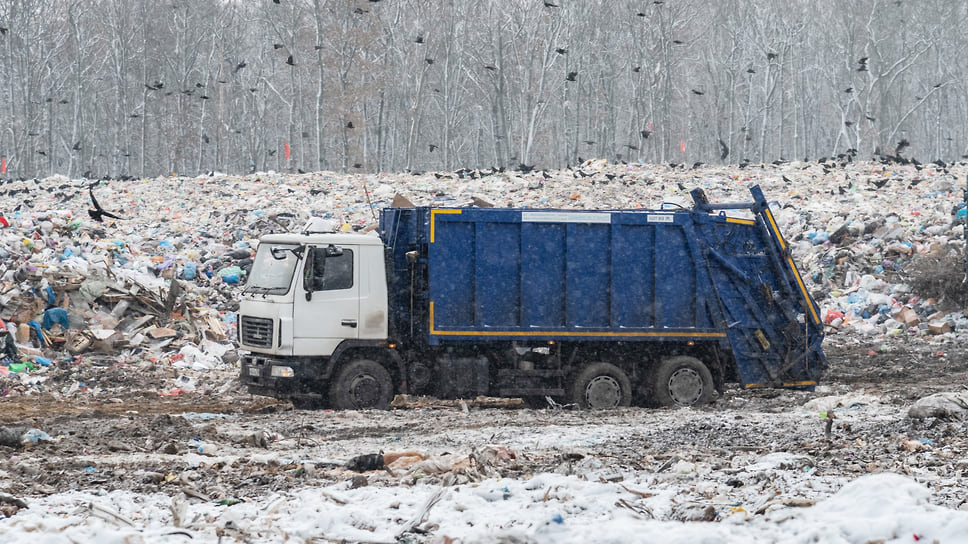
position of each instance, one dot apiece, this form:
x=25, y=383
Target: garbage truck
x=595, y=308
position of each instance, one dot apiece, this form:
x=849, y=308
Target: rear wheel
x=683, y=381
x=601, y=385
x=361, y=384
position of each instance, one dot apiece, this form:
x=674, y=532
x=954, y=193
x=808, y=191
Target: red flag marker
x=286, y=145
x=3, y=165
x=682, y=146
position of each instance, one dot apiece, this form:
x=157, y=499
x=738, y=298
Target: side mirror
x=279, y=253
x=310, y=273
x=315, y=267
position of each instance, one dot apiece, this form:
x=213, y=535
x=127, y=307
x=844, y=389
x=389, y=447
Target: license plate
x=254, y=371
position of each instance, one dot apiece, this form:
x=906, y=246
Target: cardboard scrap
x=161, y=332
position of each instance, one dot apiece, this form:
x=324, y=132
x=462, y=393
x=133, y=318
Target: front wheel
x=683, y=381
x=361, y=384
x=601, y=385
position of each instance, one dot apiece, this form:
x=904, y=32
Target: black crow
x=98, y=213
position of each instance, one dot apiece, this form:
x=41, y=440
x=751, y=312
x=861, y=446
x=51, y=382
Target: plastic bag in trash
x=32, y=436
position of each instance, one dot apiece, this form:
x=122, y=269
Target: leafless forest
x=146, y=87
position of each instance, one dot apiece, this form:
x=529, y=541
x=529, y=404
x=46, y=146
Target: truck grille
x=256, y=331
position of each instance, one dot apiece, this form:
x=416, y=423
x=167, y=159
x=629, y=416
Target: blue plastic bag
x=56, y=315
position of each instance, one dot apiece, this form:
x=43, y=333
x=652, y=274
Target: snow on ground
x=548, y=508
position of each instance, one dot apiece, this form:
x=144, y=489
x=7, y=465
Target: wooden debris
x=792, y=502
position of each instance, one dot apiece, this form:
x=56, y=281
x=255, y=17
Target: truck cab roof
x=337, y=238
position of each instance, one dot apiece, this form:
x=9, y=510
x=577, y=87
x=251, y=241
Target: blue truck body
x=686, y=281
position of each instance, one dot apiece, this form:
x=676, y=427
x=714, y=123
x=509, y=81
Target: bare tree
x=95, y=87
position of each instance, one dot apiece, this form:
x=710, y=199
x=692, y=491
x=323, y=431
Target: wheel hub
x=365, y=390
x=603, y=392
x=685, y=386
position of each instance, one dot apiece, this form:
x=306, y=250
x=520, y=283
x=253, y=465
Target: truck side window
x=337, y=274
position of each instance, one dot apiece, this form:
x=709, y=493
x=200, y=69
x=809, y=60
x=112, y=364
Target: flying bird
x=290, y=62
x=700, y=93
x=571, y=76
x=901, y=145
x=550, y=5
x=98, y=213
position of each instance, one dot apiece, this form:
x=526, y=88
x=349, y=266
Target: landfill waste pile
x=122, y=415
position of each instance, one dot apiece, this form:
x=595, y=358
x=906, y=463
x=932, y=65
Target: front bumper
x=283, y=378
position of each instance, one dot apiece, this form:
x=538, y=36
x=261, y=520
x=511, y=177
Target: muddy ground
x=120, y=434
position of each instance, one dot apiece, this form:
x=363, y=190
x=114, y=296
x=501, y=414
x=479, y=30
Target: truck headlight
x=282, y=372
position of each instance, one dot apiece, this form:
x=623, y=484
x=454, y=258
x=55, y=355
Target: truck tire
x=682, y=381
x=361, y=384
x=601, y=385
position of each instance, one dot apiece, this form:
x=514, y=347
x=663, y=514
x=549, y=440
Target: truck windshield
x=272, y=271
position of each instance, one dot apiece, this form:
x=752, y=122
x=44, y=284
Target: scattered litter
x=941, y=405
x=33, y=436
x=366, y=463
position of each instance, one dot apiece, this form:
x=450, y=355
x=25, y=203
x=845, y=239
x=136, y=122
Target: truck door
x=327, y=306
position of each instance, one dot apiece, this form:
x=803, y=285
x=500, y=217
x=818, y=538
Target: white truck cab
x=306, y=296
